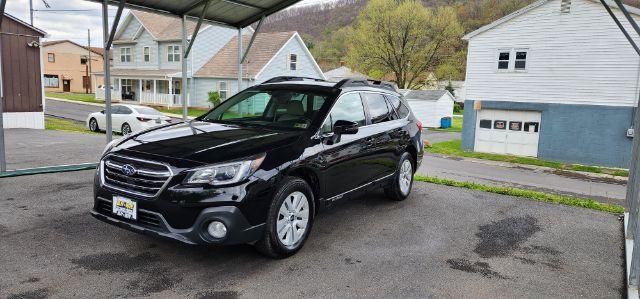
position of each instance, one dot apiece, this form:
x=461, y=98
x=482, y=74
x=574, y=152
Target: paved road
x=38, y=148
x=441, y=242
x=504, y=174
x=78, y=112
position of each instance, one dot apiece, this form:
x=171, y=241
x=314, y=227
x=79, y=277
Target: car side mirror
x=342, y=127
x=102, y=111
x=345, y=127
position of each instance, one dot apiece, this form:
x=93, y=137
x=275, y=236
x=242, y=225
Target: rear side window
x=397, y=104
x=348, y=107
x=378, y=109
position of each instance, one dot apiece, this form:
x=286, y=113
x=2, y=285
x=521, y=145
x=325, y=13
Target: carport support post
x=107, y=70
x=3, y=161
x=183, y=87
x=239, y=59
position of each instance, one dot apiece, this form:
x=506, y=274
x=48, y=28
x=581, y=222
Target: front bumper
x=239, y=230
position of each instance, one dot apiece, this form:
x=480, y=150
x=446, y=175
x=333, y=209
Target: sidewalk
x=598, y=187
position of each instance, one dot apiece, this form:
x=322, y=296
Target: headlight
x=224, y=174
x=109, y=146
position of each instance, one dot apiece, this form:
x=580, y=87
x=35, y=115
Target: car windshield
x=282, y=108
x=147, y=111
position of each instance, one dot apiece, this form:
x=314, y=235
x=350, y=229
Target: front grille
x=147, y=181
x=144, y=217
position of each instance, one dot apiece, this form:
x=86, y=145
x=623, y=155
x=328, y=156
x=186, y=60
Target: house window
x=173, y=53
x=500, y=124
x=125, y=54
x=503, y=60
x=222, y=90
x=293, y=62
x=531, y=127
x=51, y=81
x=177, y=87
x=521, y=61
x=83, y=60
x=127, y=85
x=146, y=54
x=485, y=123
x=51, y=57
x=515, y=126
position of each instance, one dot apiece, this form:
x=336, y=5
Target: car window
x=283, y=108
x=378, y=109
x=115, y=110
x=125, y=110
x=349, y=107
x=397, y=104
x=147, y=111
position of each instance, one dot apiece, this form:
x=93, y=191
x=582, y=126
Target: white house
x=147, y=60
x=430, y=106
x=555, y=80
x=343, y=72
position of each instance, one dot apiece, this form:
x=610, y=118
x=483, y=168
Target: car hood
x=206, y=142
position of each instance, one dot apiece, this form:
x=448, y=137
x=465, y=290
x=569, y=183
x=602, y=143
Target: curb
x=49, y=169
x=534, y=167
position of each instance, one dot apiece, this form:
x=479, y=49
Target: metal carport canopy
x=232, y=13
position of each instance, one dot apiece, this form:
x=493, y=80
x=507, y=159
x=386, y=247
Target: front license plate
x=125, y=208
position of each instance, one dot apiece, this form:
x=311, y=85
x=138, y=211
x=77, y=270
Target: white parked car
x=127, y=118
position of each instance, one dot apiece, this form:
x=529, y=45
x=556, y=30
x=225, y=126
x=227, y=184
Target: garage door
x=508, y=132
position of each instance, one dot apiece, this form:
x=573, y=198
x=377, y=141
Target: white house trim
x=306, y=50
x=535, y=5
x=138, y=33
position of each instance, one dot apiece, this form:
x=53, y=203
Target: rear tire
x=93, y=125
x=400, y=186
x=289, y=220
x=126, y=129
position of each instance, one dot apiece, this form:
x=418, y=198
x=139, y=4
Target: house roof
x=529, y=8
x=96, y=50
x=26, y=24
x=225, y=63
x=163, y=27
x=344, y=72
x=425, y=95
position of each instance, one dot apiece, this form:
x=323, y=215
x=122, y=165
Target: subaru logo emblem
x=129, y=170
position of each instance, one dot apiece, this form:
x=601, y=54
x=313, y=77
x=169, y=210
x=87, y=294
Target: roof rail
x=366, y=82
x=292, y=78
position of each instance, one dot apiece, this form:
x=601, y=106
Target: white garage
x=508, y=132
x=430, y=106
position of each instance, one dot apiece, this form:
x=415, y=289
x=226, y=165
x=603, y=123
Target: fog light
x=217, y=229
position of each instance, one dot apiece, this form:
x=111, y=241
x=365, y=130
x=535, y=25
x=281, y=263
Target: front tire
x=400, y=187
x=93, y=125
x=289, y=221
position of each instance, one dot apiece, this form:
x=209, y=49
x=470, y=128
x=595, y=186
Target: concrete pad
x=441, y=242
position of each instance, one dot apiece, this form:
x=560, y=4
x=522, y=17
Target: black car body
x=152, y=169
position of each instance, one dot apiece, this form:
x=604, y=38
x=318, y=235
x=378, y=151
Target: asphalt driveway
x=441, y=242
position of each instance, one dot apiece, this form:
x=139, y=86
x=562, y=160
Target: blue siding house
x=555, y=80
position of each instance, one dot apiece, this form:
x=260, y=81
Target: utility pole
x=31, y=11
x=89, y=81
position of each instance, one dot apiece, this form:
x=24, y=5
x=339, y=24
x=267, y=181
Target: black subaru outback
x=257, y=168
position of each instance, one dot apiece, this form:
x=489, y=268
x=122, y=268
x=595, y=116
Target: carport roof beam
x=253, y=39
x=107, y=46
x=624, y=30
x=231, y=13
x=195, y=31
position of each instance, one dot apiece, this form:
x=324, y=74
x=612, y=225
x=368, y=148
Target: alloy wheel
x=293, y=218
x=126, y=129
x=405, y=177
x=93, y=125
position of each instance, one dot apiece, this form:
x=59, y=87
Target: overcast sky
x=72, y=25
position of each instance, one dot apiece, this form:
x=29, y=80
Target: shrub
x=457, y=108
x=214, y=98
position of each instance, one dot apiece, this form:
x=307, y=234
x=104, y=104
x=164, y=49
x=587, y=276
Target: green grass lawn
x=534, y=195
x=57, y=124
x=191, y=112
x=453, y=148
x=456, y=126
x=72, y=96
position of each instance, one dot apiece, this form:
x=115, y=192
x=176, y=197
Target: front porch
x=149, y=91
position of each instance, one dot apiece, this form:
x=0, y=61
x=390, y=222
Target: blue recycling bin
x=445, y=122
